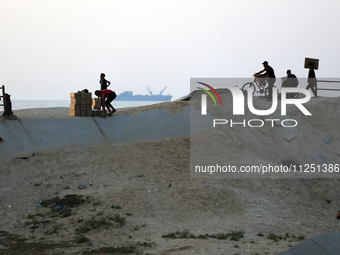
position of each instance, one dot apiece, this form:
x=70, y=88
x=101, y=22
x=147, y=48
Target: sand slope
x=149, y=184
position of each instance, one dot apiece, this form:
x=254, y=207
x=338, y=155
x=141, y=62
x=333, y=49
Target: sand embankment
x=148, y=182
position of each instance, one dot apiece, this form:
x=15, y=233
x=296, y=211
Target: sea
x=27, y=104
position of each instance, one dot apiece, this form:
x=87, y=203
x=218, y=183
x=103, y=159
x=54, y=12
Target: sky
x=49, y=48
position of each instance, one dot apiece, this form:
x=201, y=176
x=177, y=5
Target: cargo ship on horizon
x=129, y=96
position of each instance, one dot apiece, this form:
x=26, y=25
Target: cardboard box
x=89, y=113
x=74, y=113
x=76, y=101
x=85, y=101
x=75, y=107
x=95, y=112
x=96, y=103
x=103, y=113
x=83, y=113
x=312, y=60
x=89, y=108
x=75, y=95
x=86, y=95
x=99, y=113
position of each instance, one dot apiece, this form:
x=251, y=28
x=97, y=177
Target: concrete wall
x=324, y=244
x=25, y=136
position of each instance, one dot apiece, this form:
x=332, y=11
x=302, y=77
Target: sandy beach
x=138, y=198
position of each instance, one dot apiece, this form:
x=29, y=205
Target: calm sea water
x=26, y=104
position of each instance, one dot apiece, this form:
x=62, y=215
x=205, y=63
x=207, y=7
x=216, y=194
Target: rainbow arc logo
x=213, y=90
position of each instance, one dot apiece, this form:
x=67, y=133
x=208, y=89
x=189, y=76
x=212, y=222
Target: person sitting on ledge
x=290, y=81
x=109, y=95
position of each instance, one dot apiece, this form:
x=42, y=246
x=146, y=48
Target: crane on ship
x=162, y=91
x=149, y=90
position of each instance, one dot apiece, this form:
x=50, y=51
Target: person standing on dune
x=103, y=82
x=312, y=82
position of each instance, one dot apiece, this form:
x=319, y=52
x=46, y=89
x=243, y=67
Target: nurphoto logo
x=239, y=103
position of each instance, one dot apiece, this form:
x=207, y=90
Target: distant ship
x=129, y=96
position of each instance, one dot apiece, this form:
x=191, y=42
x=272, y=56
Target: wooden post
x=2, y=95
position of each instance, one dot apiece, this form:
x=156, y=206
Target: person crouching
x=109, y=95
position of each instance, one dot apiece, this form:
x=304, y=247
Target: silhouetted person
x=7, y=106
x=268, y=71
x=103, y=82
x=312, y=82
x=290, y=81
x=109, y=95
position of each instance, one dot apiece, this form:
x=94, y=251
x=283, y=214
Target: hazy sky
x=50, y=48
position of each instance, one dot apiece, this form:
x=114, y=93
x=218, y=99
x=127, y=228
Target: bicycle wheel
x=266, y=92
x=249, y=85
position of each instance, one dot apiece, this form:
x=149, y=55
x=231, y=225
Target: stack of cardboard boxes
x=81, y=104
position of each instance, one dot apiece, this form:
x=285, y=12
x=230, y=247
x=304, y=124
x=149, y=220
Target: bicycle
x=255, y=83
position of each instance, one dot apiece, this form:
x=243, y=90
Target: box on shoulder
x=312, y=60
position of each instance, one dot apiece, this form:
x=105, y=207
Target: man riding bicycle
x=268, y=71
